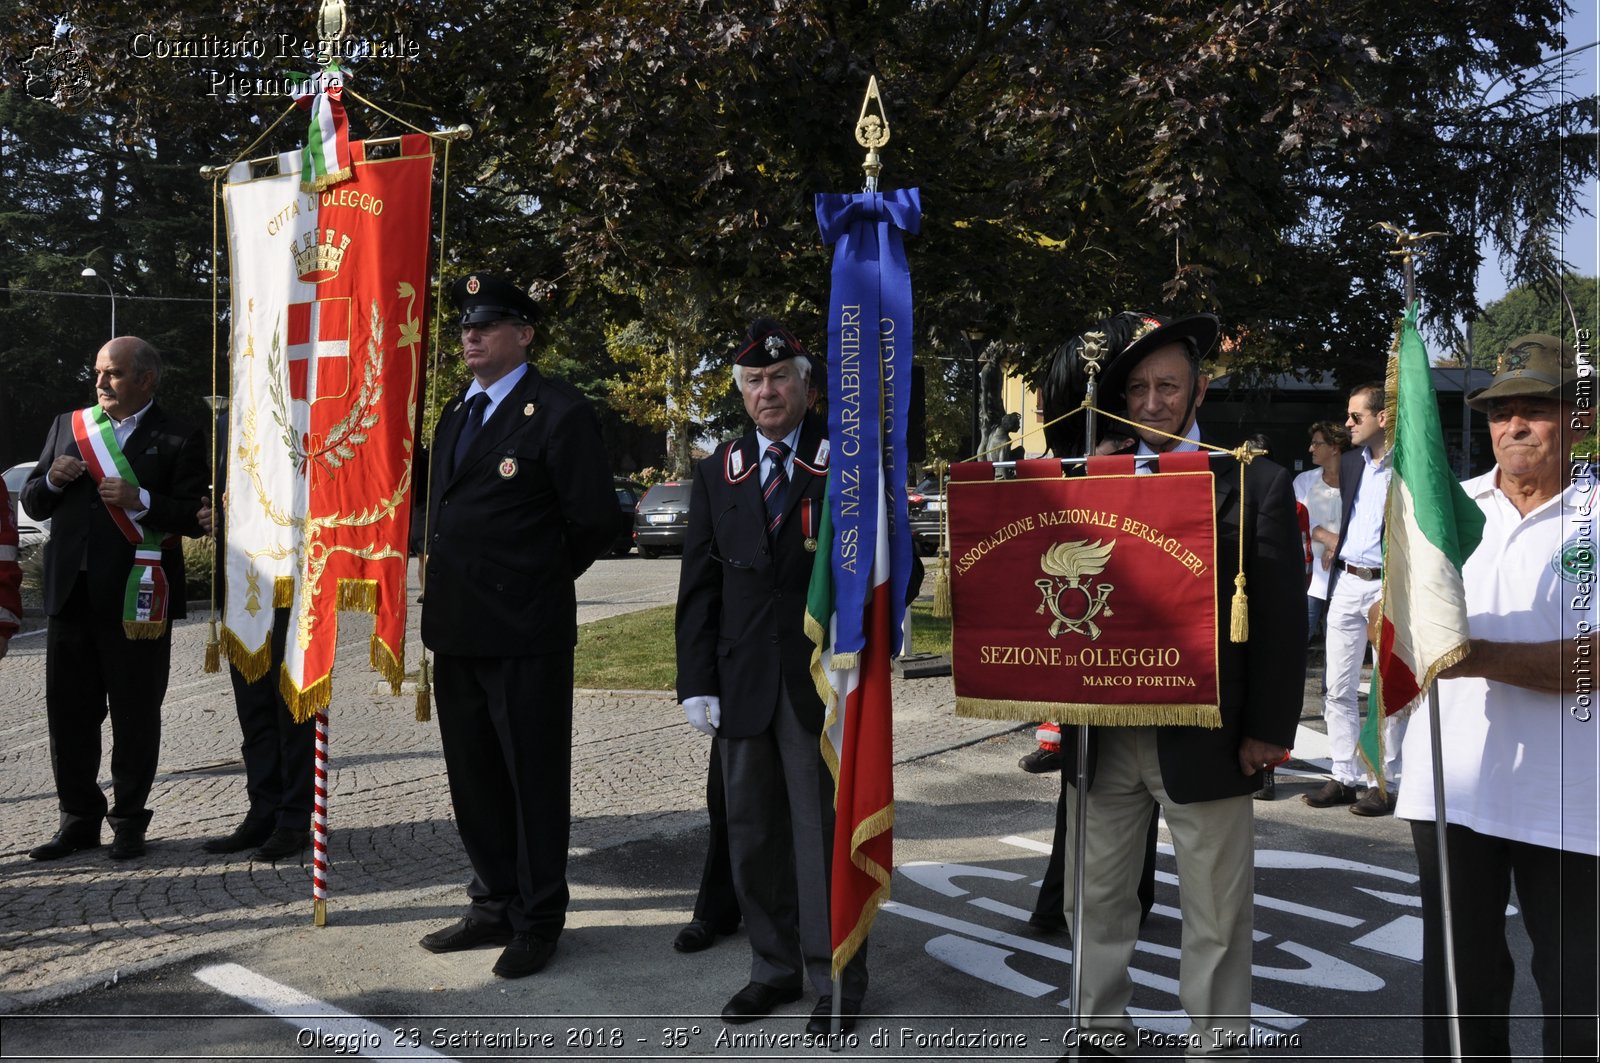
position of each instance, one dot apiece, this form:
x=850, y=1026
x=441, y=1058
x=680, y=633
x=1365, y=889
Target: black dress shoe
x=699, y=935
x=821, y=1023
x=1041, y=761
x=466, y=933
x=128, y=843
x=243, y=837
x=283, y=842
x=524, y=956
x=1049, y=922
x=1335, y=793
x=756, y=1001
x=63, y=844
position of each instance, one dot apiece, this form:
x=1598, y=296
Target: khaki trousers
x=1214, y=844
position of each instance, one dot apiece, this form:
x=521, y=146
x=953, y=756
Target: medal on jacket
x=508, y=468
x=808, y=524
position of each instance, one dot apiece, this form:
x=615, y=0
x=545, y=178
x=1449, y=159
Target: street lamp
x=88, y=271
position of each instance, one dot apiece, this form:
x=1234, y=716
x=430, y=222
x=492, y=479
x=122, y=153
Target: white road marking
x=333, y=1026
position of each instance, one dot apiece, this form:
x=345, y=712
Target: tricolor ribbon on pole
x=325, y=160
x=859, y=582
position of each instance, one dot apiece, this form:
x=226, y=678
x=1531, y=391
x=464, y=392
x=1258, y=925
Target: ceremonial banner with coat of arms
x=326, y=347
x=1085, y=601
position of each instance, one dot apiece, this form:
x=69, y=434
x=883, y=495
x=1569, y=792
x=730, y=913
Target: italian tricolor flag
x=857, y=743
x=1432, y=527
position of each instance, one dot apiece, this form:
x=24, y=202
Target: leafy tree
x=1536, y=308
x=1176, y=155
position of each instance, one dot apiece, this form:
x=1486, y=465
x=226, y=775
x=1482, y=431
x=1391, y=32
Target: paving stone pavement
x=638, y=773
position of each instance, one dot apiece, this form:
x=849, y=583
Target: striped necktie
x=772, y=488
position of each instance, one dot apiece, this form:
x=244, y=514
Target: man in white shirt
x=1517, y=726
x=1355, y=582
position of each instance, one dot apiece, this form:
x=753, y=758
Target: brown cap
x=1534, y=366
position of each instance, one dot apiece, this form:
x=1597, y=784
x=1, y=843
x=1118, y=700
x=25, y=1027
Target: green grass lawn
x=635, y=651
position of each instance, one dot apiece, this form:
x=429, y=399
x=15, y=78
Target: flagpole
x=1091, y=356
x=1408, y=251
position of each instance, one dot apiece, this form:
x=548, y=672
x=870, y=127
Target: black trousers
x=279, y=754
x=716, y=903
x=506, y=727
x=1557, y=893
x=92, y=668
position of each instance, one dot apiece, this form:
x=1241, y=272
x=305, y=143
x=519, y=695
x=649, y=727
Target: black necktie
x=469, y=431
x=772, y=489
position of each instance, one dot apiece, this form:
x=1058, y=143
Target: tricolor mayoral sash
x=327, y=340
x=144, y=603
x=1089, y=600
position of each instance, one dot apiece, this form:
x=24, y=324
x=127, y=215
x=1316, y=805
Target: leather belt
x=1361, y=573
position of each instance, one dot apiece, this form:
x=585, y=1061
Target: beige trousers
x=1214, y=845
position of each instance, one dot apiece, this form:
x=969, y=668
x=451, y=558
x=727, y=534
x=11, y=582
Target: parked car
x=628, y=494
x=925, y=510
x=662, y=518
x=30, y=532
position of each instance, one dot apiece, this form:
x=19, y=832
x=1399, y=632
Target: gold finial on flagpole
x=1408, y=246
x=332, y=23
x=872, y=132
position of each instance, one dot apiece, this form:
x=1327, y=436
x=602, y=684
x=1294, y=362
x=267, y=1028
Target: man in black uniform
x=519, y=505
x=744, y=675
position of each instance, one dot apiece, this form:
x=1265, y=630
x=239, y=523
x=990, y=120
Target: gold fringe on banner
x=387, y=663
x=252, y=664
x=327, y=180
x=283, y=592
x=304, y=704
x=1093, y=715
x=843, y=662
x=820, y=679
x=144, y=629
x=424, y=689
x=869, y=828
x=358, y=596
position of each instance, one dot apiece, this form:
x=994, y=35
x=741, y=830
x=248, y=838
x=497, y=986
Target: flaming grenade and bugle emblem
x=1073, y=567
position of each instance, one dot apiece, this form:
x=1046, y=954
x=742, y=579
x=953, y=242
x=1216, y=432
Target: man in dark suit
x=278, y=752
x=519, y=505
x=744, y=675
x=1355, y=583
x=1202, y=778
x=122, y=483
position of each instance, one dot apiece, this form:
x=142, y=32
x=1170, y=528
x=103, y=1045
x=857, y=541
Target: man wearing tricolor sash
x=122, y=482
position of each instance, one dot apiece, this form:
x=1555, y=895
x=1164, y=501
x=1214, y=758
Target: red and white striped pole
x=319, y=828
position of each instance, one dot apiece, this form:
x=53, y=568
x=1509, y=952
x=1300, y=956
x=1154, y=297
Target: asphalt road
x=192, y=956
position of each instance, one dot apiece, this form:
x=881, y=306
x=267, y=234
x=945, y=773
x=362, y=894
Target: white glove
x=704, y=714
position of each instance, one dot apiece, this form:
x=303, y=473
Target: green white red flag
x=326, y=348
x=1431, y=529
x=857, y=743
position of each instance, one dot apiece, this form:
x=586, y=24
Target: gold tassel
x=144, y=629
x=843, y=662
x=1239, y=622
x=941, y=592
x=424, y=689
x=213, y=650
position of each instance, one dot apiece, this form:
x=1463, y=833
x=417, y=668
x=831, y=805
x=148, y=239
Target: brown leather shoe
x=1335, y=793
x=1373, y=804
